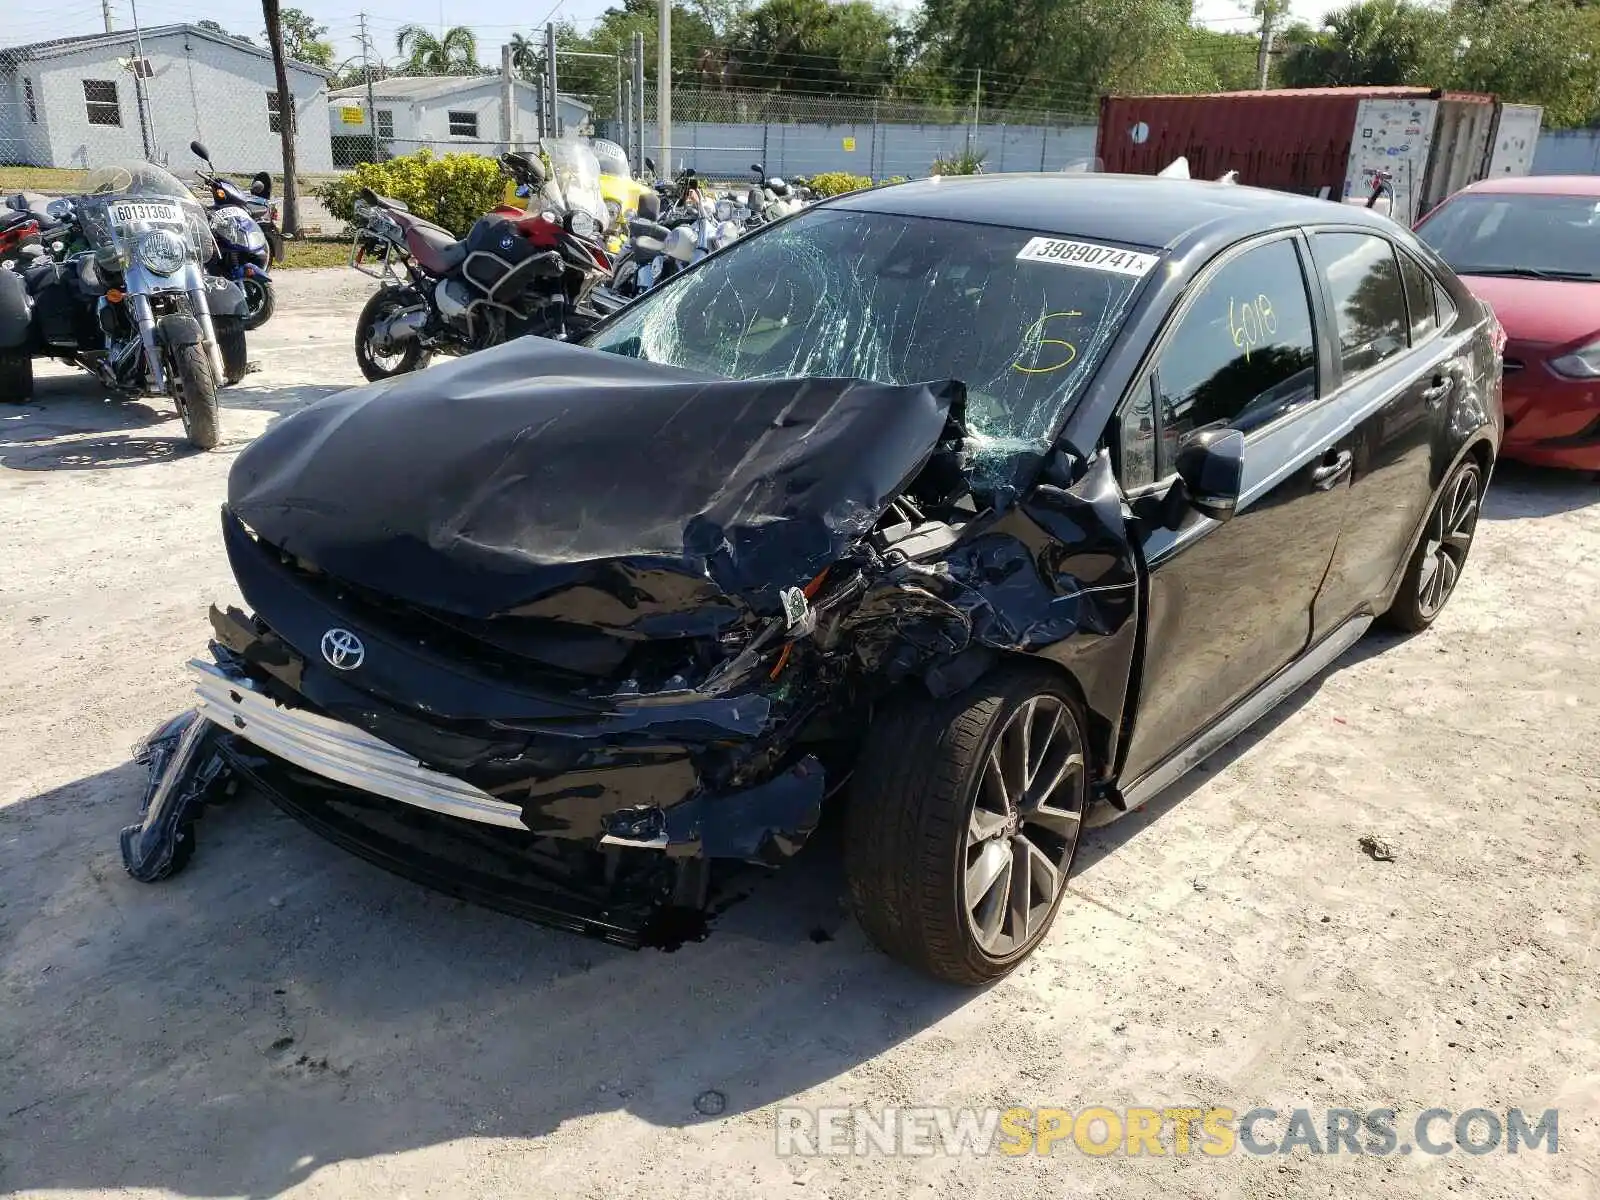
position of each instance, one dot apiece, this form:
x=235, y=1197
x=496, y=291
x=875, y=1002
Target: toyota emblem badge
x=343, y=649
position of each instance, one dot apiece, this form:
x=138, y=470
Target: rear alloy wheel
x=259, y=302
x=964, y=818
x=1441, y=555
x=375, y=363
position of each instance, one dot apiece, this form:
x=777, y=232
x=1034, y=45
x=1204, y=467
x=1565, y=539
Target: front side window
x=1369, y=306
x=100, y=98
x=464, y=124
x=901, y=300
x=1535, y=236
x=1243, y=352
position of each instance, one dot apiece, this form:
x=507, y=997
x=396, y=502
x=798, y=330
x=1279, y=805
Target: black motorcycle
x=134, y=308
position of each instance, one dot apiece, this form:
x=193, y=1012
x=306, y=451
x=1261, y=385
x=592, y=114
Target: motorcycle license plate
x=129, y=213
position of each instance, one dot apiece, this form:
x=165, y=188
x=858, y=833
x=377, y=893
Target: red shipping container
x=1292, y=139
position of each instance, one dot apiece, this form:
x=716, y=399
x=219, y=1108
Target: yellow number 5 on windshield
x=1045, y=361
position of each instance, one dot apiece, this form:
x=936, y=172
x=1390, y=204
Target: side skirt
x=1237, y=719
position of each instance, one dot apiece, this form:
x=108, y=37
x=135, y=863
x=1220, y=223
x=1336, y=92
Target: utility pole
x=105, y=11
x=553, y=124
x=146, y=121
x=664, y=86
x=372, y=109
x=1268, y=11
x=638, y=91
x=508, y=99
x=977, y=103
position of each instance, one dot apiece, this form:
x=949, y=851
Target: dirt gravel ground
x=285, y=1019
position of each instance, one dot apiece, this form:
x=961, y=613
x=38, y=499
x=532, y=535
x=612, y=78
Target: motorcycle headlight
x=724, y=210
x=580, y=223
x=162, y=251
x=613, y=212
x=1580, y=364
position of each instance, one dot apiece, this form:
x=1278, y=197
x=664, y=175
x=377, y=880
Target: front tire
x=194, y=387
x=260, y=301
x=1441, y=554
x=963, y=821
x=376, y=366
x=16, y=377
x=235, y=353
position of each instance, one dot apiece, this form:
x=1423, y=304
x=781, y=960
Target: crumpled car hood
x=547, y=480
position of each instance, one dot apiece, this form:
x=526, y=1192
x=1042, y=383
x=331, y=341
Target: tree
x=286, y=122
x=814, y=46
x=454, y=53
x=1047, y=53
x=217, y=29
x=1369, y=43
x=303, y=39
x=595, y=80
x=1529, y=51
x=527, y=56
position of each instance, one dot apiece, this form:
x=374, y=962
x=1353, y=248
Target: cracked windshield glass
x=1021, y=319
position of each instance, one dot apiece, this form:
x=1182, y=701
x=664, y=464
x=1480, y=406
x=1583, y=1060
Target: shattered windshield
x=1021, y=319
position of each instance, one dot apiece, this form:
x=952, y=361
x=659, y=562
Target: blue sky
x=494, y=23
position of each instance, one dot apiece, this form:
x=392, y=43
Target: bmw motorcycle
x=135, y=308
x=243, y=253
x=517, y=272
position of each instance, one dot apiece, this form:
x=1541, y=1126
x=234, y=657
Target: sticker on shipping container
x=1088, y=255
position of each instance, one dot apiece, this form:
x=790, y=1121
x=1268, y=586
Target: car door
x=1230, y=603
x=1397, y=370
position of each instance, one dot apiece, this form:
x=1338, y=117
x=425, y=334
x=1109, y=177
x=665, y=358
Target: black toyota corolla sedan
x=983, y=508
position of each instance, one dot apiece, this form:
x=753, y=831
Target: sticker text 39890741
x=1067, y=253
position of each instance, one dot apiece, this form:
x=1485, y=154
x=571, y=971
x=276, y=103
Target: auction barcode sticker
x=1088, y=255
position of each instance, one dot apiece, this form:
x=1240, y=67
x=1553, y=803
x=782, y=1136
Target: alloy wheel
x=390, y=361
x=1449, y=538
x=1023, y=827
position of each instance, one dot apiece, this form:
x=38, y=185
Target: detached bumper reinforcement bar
x=340, y=752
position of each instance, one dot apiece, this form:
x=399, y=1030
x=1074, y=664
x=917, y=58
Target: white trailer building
x=84, y=101
x=444, y=113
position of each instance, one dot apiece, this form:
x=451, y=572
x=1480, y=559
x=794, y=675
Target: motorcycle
x=242, y=250
x=657, y=250
x=135, y=308
x=518, y=271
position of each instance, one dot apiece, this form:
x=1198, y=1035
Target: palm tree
x=455, y=52
x=525, y=55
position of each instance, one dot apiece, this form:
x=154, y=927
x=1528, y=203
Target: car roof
x=1139, y=210
x=1538, y=185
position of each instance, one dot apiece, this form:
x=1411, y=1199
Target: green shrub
x=964, y=162
x=892, y=179
x=834, y=183
x=452, y=191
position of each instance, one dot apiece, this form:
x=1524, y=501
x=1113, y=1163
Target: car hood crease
x=548, y=480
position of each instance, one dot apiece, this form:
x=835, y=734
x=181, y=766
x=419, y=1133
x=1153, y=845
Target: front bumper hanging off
x=380, y=803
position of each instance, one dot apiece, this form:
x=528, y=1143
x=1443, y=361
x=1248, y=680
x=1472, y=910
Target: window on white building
x=386, y=123
x=275, y=113
x=464, y=124
x=27, y=95
x=100, y=98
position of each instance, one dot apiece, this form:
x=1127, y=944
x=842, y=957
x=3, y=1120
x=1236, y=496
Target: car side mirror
x=1211, y=466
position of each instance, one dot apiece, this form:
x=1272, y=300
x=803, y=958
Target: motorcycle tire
x=412, y=358
x=16, y=377
x=260, y=301
x=231, y=341
x=194, y=387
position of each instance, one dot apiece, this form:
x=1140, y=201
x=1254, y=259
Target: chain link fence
x=69, y=104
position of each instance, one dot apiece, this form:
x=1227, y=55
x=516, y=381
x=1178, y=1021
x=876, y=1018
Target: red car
x=1530, y=248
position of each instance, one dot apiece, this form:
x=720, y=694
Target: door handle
x=1442, y=386
x=1334, y=468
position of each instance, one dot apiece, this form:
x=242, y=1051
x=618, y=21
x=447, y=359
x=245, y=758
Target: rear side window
x=1243, y=352
x=1419, y=297
x=1369, y=305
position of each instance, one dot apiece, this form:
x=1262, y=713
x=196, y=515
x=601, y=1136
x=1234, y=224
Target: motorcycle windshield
x=575, y=171
x=122, y=204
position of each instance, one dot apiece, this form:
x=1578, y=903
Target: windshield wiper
x=1526, y=272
